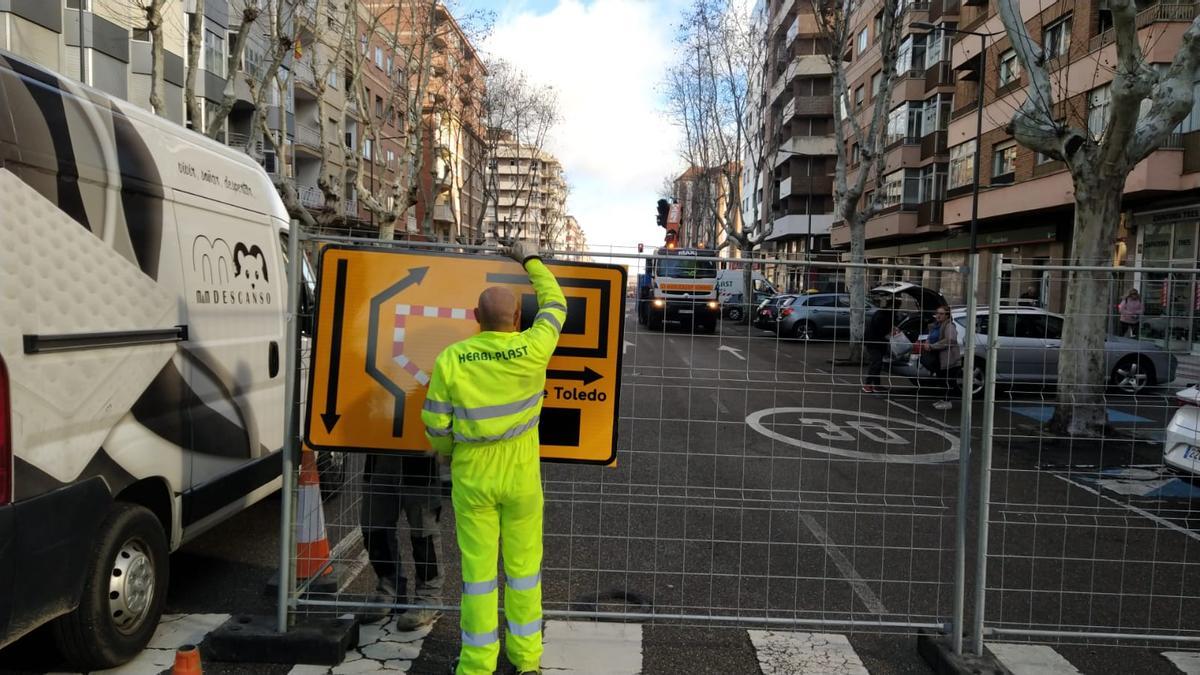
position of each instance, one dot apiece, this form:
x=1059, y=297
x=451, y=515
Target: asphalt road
x=758, y=487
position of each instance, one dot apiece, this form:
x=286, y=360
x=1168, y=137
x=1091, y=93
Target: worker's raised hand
x=520, y=251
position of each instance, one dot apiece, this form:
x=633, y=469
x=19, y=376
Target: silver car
x=1029, y=342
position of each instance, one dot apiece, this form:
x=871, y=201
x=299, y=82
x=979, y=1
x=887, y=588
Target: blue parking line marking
x=1043, y=413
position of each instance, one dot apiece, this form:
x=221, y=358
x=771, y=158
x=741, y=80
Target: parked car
x=817, y=316
x=1181, y=449
x=1030, y=338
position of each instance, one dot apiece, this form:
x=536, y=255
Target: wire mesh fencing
x=767, y=473
x=1086, y=528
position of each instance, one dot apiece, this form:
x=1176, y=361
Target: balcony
x=898, y=222
x=311, y=197
x=910, y=86
x=800, y=225
x=785, y=8
x=940, y=74
x=933, y=145
x=350, y=207
x=789, y=111
x=802, y=186
x=308, y=136
x=1160, y=13
x=805, y=145
x=964, y=109
x=303, y=74
x=930, y=213
x=442, y=214
x=814, y=106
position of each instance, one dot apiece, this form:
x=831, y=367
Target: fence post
x=985, y=449
x=964, y=457
x=291, y=427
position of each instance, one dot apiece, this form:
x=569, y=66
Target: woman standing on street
x=1131, y=309
x=946, y=347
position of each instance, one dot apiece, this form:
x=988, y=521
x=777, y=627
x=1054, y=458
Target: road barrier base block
x=255, y=639
x=938, y=652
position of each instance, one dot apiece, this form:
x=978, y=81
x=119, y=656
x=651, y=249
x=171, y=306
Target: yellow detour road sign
x=383, y=316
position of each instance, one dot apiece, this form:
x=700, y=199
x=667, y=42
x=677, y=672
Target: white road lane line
x=927, y=418
x=1186, y=662
x=861, y=589
x=1026, y=659
x=592, y=648
x=1145, y=514
x=784, y=653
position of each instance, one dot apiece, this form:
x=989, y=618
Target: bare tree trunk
x=1081, y=367
x=195, y=39
x=154, y=25
x=229, y=94
x=856, y=282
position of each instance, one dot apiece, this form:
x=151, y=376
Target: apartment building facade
x=104, y=43
x=1025, y=207
x=528, y=193
x=703, y=195
x=793, y=122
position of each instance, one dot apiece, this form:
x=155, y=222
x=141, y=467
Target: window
x=363, y=41
x=904, y=123
x=901, y=186
x=855, y=154
x=935, y=113
x=214, y=53
x=876, y=83
x=1004, y=159
x=933, y=183
x=858, y=97
x=391, y=158
x=367, y=148
x=1010, y=68
x=1099, y=103
x=379, y=106
x=389, y=65
x=904, y=56
x=821, y=301
x=140, y=35
x=332, y=80
x=1056, y=38
x=877, y=26
x=933, y=53
x=379, y=58
x=85, y=5
x=962, y=164
x=862, y=41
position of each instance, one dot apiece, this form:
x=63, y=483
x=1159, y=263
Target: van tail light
x=6, y=445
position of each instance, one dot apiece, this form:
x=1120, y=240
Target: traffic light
x=663, y=208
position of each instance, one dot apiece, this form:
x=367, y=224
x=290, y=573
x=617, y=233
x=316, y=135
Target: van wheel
x=124, y=591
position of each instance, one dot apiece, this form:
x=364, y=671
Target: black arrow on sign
x=415, y=276
x=587, y=375
x=330, y=417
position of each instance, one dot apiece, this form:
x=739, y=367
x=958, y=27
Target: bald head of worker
x=498, y=310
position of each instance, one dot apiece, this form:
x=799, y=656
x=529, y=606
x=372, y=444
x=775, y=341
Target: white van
x=731, y=288
x=142, y=290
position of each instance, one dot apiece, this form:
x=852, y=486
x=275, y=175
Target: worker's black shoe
x=385, y=594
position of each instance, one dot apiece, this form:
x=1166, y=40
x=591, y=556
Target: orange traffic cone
x=187, y=661
x=312, y=544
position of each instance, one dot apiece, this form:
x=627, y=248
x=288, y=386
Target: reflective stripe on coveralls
x=497, y=491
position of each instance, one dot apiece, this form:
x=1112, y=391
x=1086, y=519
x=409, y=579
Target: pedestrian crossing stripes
x=609, y=648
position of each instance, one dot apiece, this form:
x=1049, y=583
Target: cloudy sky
x=606, y=58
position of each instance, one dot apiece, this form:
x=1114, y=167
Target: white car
x=1181, y=449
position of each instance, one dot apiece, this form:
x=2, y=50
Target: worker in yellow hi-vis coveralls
x=482, y=409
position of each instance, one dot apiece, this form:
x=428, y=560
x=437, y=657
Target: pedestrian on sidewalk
x=482, y=410
x=1130, y=310
x=877, y=342
x=408, y=484
x=945, y=346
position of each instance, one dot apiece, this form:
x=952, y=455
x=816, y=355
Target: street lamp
x=925, y=25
